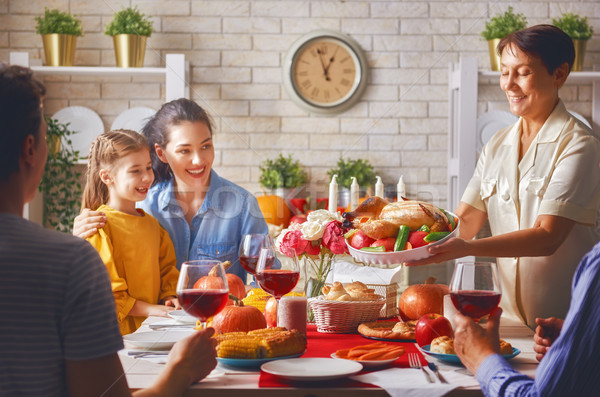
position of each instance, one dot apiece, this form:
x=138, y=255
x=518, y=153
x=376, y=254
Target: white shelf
x=176, y=72
x=98, y=71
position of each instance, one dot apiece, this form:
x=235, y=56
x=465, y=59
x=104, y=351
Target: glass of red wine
x=274, y=276
x=475, y=288
x=249, y=250
x=202, y=288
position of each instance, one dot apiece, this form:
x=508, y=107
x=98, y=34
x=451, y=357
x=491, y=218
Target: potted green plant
x=281, y=175
x=579, y=30
x=129, y=29
x=499, y=26
x=59, y=31
x=361, y=169
x=60, y=184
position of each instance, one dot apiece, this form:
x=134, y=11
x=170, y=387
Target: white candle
x=379, y=187
x=401, y=188
x=333, y=194
x=353, y=194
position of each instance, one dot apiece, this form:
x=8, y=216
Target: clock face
x=325, y=72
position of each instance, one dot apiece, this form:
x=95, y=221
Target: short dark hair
x=547, y=42
x=20, y=114
x=157, y=130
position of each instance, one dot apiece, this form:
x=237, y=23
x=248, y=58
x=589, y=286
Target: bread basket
x=341, y=317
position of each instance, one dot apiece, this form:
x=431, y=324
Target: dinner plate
x=312, y=368
x=182, y=317
x=156, y=340
x=491, y=122
x=367, y=363
x=252, y=362
x=453, y=358
x=85, y=122
x=133, y=119
x=397, y=257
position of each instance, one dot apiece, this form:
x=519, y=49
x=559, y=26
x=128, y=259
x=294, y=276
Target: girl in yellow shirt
x=137, y=251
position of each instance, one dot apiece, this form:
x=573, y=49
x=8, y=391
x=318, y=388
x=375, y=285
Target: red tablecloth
x=323, y=344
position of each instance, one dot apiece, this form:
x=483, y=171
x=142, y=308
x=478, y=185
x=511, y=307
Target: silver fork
x=415, y=362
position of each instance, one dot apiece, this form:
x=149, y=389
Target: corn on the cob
x=258, y=298
x=284, y=343
x=245, y=347
x=267, y=331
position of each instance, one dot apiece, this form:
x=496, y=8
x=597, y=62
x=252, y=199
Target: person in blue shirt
x=205, y=215
x=569, y=351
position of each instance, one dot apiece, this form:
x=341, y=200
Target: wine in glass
x=475, y=288
x=276, y=277
x=249, y=250
x=202, y=288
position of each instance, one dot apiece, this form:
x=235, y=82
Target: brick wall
x=236, y=50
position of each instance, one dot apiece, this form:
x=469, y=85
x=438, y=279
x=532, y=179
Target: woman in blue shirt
x=205, y=215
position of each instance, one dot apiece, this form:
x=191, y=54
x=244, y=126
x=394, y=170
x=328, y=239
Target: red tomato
x=360, y=240
x=416, y=238
x=388, y=243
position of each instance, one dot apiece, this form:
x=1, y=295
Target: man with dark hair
x=59, y=334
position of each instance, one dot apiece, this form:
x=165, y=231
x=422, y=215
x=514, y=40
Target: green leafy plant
x=56, y=21
x=282, y=172
x=60, y=184
x=575, y=26
x=361, y=169
x=503, y=24
x=129, y=21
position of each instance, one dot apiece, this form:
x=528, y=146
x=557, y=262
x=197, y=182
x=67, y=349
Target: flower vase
x=313, y=289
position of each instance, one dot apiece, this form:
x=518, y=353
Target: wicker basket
x=343, y=317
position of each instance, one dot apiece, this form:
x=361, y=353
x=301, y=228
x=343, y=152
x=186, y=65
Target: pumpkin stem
x=213, y=272
x=430, y=280
x=236, y=301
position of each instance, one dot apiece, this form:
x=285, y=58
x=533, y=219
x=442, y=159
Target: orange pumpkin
x=236, y=284
x=238, y=318
x=420, y=299
x=274, y=210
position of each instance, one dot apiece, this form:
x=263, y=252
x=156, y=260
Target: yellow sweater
x=140, y=259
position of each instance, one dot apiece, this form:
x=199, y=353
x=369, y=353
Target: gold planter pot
x=494, y=57
x=59, y=49
x=129, y=50
x=579, y=55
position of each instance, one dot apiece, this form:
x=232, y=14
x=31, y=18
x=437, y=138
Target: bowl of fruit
x=382, y=232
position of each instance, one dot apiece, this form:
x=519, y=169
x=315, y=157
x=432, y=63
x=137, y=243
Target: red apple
x=271, y=312
x=299, y=204
x=431, y=326
x=360, y=240
x=416, y=238
x=388, y=243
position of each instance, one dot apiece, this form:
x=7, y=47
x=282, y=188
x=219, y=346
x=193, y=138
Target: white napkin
x=411, y=382
x=347, y=272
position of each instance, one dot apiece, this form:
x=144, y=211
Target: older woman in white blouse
x=537, y=182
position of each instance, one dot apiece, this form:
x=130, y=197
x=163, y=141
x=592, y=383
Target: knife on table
x=434, y=368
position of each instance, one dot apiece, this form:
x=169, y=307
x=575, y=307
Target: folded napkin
x=347, y=272
x=411, y=382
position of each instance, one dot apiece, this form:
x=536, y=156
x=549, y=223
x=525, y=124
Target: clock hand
x=330, y=61
x=322, y=64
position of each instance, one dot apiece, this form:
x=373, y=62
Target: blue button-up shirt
x=227, y=213
x=572, y=365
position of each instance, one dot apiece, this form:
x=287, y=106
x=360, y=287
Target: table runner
x=323, y=344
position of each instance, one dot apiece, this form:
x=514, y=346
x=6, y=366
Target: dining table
x=395, y=379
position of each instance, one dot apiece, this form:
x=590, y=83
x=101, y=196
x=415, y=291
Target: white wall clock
x=325, y=72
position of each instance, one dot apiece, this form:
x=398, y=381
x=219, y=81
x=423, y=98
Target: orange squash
x=420, y=299
x=274, y=210
x=238, y=318
x=236, y=284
